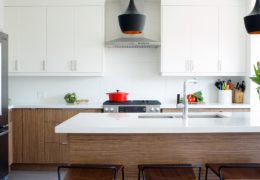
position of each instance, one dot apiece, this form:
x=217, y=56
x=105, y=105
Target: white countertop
x=123, y=123
x=100, y=106
x=209, y=106
x=58, y=106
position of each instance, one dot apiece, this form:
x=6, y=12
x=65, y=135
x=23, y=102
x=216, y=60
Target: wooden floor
x=33, y=175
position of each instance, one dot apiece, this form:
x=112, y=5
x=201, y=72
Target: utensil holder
x=238, y=96
x=225, y=96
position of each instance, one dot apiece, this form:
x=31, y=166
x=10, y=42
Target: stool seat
x=91, y=172
x=236, y=170
x=168, y=172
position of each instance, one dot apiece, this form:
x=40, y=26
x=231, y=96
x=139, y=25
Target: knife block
x=238, y=96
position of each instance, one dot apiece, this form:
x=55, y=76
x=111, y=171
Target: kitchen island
x=132, y=139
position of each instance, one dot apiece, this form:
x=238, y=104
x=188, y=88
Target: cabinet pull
x=75, y=65
x=64, y=143
x=71, y=66
x=43, y=65
x=192, y=65
x=219, y=66
x=16, y=65
x=187, y=65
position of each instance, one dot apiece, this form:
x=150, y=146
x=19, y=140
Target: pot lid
x=117, y=92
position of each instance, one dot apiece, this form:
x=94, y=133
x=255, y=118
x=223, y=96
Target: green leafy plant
x=256, y=77
x=70, y=98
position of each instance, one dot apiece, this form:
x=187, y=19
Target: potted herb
x=256, y=78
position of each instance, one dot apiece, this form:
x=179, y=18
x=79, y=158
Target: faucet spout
x=185, y=103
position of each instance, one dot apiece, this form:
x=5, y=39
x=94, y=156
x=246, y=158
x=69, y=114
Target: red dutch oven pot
x=117, y=96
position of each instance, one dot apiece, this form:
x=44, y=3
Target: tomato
x=191, y=98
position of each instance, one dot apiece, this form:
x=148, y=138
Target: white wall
x=254, y=57
x=130, y=70
x=1, y=15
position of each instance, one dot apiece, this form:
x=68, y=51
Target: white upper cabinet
x=187, y=44
x=200, y=40
x=75, y=39
x=32, y=42
x=1, y=15
x=11, y=26
x=204, y=39
x=56, y=41
x=60, y=39
x=175, y=39
x=26, y=27
x=232, y=40
x=89, y=39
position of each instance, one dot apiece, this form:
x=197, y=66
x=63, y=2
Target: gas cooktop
x=134, y=102
x=132, y=106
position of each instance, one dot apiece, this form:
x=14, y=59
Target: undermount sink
x=161, y=116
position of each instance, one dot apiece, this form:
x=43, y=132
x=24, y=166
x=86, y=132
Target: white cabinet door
x=89, y=39
x=1, y=15
x=232, y=40
x=204, y=41
x=32, y=39
x=26, y=27
x=60, y=39
x=11, y=28
x=176, y=37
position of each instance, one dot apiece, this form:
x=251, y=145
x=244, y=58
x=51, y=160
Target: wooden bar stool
x=90, y=172
x=234, y=170
x=168, y=172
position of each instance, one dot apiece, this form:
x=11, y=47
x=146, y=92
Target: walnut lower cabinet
x=34, y=139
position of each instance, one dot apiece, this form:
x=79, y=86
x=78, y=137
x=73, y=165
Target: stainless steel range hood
x=132, y=42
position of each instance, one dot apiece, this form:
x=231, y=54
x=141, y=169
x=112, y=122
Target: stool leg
x=139, y=174
x=123, y=173
x=206, y=174
x=199, y=176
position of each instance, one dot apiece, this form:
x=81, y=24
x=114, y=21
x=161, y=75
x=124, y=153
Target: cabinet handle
x=16, y=65
x=43, y=65
x=187, y=65
x=192, y=65
x=219, y=66
x=71, y=66
x=64, y=143
x=75, y=65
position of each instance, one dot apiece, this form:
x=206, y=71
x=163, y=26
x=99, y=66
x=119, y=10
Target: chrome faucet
x=185, y=103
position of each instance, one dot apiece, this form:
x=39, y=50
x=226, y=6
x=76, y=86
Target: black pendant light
x=252, y=21
x=131, y=22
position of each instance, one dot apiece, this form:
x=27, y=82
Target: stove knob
x=111, y=109
x=157, y=110
x=152, y=109
x=106, y=110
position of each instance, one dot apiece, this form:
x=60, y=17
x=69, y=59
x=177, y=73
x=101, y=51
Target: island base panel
x=131, y=150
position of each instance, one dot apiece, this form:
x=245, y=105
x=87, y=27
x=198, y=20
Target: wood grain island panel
x=131, y=150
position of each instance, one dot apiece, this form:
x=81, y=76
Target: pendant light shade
x=131, y=22
x=252, y=21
